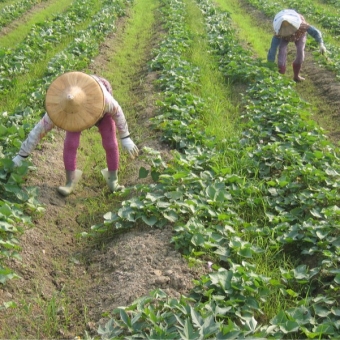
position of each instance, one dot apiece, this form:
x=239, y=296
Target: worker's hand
x=17, y=160
x=130, y=146
x=322, y=48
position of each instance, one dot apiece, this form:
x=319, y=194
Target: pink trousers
x=107, y=129
x=300, y=51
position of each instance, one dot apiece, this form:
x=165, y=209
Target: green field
x=228, y=226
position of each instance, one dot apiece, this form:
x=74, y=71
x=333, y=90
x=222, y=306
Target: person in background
x=74, y=102
x=290, y=26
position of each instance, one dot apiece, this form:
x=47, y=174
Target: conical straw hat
x=286, y=29
x=74, y=101
x=287, y=22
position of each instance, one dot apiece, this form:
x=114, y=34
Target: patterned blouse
x=299, y=33
x=303, y=29
x=113, y=108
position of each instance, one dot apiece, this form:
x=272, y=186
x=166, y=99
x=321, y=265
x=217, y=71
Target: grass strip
x=123, y=70
x=221, y=118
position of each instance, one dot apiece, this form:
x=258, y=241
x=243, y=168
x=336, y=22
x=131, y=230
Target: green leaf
x=7, y=227
x=125, y=318
x=292, y=293
x=174, y=195
x=251, y=324
x=196, y=318
x=188, y=332
x=10, y=304
x=210, y=326
x=222, y=278
x=335, y=311
x=245, y=252
x=331, y=172
x=325, y=328
x=152, y=220
x=136, y=203
x=337, y=279
x=316, y=213
x=216, y=192
x=154, y=197
x=301, y=315
x=274, y=282
x=231, y=331
x=301, y=272
x=6, y=274
x=110, y=217
x=223, y=252
x=3, y=130
x=163, y=204
x=279, y=319
x=155, y=175
x=171, y=216
x=289, y=326
x=273, y=191
x=180, y=174
x=198, y=240
x=143, y=173
x=252, y=303
x=321, y=311
x=127, y=213
x=5, y=210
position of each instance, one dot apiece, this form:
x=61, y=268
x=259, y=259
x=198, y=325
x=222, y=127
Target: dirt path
x=326, y=88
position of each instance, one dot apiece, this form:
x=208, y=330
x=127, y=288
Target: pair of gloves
x=130, y=146
x=127, y=144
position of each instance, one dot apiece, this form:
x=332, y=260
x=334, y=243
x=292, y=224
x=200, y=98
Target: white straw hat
x=286, y=22
x=74, y=101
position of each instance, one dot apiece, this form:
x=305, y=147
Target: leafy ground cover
x=254, y=214
x=238, y=290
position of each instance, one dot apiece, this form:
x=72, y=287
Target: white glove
x=130, y=146
x=17, y=160
x=322, y=48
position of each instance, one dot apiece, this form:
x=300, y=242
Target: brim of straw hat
x=74, y=101
x=287, y=16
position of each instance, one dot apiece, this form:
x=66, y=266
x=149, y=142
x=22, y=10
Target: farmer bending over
x=290, y=26
x=74, y=102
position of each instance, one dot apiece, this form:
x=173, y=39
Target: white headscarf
x=288, y=15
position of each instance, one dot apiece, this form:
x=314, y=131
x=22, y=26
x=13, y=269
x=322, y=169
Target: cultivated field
x=228, y=226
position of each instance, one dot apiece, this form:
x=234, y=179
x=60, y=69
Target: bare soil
x=92, y=279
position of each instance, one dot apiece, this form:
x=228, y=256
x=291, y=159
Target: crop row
x=281, y=194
